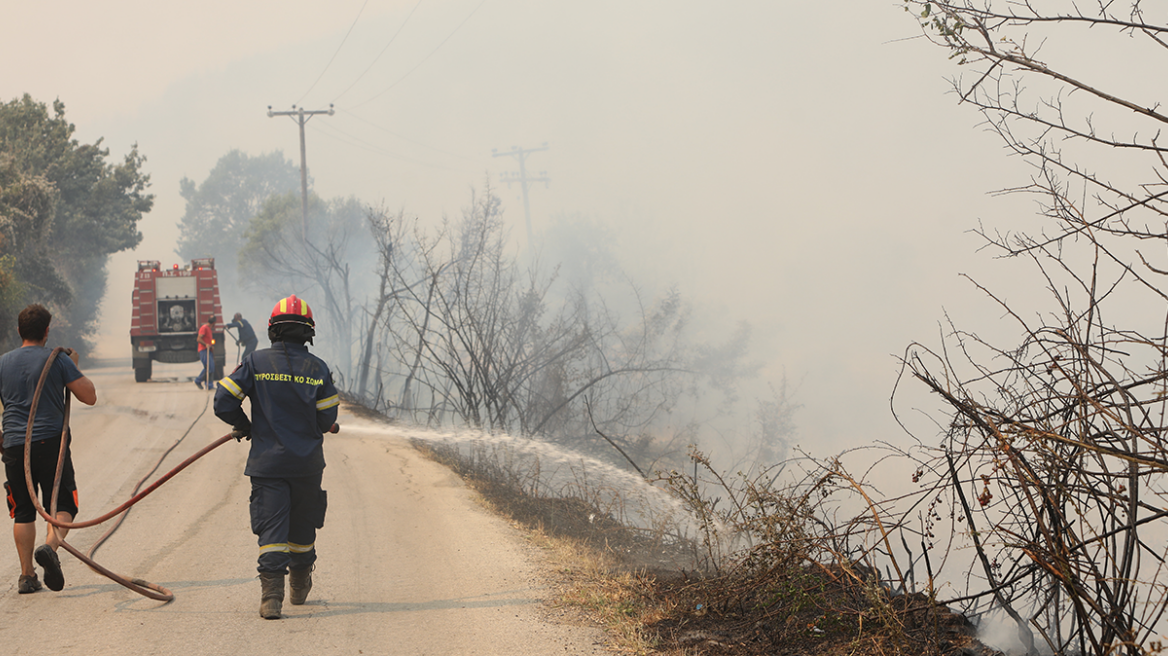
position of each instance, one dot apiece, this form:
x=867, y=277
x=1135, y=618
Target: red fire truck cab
x=169, y=305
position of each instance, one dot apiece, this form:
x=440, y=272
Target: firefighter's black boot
x=299, y=583
x=271, y=595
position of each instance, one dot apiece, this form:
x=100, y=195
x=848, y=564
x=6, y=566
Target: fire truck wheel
x=142, y=372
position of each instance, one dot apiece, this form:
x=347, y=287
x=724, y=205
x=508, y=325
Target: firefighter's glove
x=241, y=432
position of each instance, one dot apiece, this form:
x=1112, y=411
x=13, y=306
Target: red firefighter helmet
x=292, y=310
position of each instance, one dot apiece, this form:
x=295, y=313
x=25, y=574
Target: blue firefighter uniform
x=293, y=403
x=247, y=336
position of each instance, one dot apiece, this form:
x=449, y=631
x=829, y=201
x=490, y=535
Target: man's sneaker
x=198, y=384
x=47, y=558
x=28, y=584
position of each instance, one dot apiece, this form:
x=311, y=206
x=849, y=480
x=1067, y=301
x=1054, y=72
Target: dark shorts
x=43, y=462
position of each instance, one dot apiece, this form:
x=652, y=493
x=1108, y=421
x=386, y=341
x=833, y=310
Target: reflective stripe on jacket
x=293, y=402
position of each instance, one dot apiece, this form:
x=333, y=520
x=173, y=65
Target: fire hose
x=142, y=587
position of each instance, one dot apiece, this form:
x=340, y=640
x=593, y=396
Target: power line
x=419, y=64
x=358, y=142
x=338, y=51
x=391, y=40
x=405, y=138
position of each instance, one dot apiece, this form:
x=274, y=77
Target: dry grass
x=593, y=586
x=803, y=608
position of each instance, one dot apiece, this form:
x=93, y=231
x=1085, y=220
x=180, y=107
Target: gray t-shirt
x=19, y=372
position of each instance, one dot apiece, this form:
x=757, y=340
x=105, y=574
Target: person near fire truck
x=247, y=336
x=206, y=340
x=293, y=403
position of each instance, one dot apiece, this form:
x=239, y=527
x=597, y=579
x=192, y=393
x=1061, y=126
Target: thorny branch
x=1060, y=436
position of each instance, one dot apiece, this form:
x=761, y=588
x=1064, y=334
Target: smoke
x=1000, y=632
x=686, y=140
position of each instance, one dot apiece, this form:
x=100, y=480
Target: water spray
x=652, y=502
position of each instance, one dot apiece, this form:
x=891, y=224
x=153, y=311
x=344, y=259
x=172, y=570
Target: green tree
x=220, y=209
x=58, y=189
x=26, y=210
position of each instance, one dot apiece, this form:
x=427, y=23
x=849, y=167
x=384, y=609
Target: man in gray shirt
x=20, y=370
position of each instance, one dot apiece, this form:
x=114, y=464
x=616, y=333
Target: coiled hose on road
x=142, y=587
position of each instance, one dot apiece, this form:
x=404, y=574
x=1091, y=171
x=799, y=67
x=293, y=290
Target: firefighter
x=247, y=336
x=293, y=403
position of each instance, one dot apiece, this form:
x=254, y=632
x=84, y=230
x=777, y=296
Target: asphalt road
x=409, y=563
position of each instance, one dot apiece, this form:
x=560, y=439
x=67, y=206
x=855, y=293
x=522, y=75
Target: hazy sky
x=801, y=168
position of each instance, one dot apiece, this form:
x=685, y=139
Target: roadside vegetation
x=64, y=209
x=800, y=581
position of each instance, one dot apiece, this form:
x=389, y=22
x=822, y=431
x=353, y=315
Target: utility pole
x=300, y=116
x=520, y=155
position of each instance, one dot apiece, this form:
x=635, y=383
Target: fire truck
x=169, y=305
